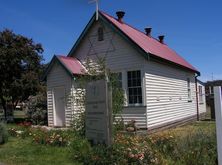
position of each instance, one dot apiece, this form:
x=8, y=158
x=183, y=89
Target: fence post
x=218, y=114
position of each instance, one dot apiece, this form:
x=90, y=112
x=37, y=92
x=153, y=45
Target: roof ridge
x=132, y=27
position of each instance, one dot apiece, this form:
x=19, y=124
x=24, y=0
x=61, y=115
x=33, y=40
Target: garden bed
x=191, y=144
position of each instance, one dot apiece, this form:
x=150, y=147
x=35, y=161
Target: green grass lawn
x=206, y=126
x=17, y=114
x=23, y=152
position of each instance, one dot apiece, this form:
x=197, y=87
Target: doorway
x=59, y=106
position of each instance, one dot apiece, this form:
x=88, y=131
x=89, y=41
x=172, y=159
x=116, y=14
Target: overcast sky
x=193, y=28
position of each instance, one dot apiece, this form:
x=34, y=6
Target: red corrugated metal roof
x=72, y=64
x=149, y=44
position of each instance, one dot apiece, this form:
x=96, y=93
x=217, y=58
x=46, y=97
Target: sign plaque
x=98, y=113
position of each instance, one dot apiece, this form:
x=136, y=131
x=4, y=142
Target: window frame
x=100, y=33
x=139, y=88
x=189, y=93
x=200, y=92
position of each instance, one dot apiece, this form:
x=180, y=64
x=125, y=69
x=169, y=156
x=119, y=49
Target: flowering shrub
x=53, y=138
x=20, y=133
x=125, y=150
x=41, y=136
x=164, y=142
x=25, y=124
x=12, y=132
x=136, y=149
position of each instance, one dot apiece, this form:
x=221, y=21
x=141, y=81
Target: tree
x=20, y=68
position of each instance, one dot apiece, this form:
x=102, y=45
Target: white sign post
x=218, y=114
x=98, y=113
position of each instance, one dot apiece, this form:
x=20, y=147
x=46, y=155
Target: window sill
x=134, y=106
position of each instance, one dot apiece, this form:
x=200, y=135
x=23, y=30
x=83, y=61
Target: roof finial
x=97, y=8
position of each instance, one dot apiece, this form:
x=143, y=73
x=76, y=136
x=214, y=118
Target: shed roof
x=149, y=44
x=72, y=65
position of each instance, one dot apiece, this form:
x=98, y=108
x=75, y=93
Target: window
x=211, y=88
x=134, y=87
x=189, y=89
x=200, y=94
x=100, y=34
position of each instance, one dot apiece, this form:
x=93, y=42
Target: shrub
x=42, y=136
x=3, y=134
x=78, y=124
x=21, y=132
x=37, y=109
x=81, y=149
x=118, y=125
x=25, y=124
x=125, y=150
x=52, y=138
x=164, y=142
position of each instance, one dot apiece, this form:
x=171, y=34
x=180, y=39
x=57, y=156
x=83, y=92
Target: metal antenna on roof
x=97, y=7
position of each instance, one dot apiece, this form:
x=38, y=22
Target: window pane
x=134, y=82
x=129, y=83
x=138, y=82
x=134, y=74
x=135, y=99
x=134, y=87
x=134, y=91
x=139, y=91
x=130, y=91
x=140, y=99
x=129, y=75
x=130, y=99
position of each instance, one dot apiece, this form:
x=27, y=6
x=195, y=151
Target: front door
x=59, y=104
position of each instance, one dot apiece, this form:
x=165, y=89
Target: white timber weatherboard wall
x=167, y=94
x=58, y=77
x=120, y=57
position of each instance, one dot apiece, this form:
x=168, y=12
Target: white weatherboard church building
x=160, y=87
